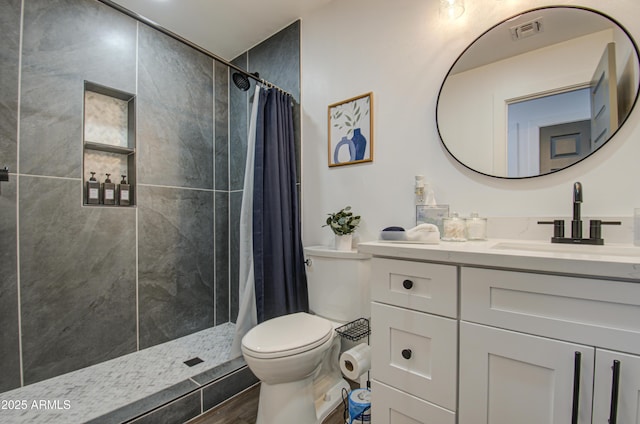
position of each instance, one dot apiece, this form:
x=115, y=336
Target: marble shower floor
x=143, y=378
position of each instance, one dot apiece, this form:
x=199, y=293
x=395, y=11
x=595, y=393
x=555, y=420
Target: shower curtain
x=280, y=277
x=247, y=308
x=272, y=279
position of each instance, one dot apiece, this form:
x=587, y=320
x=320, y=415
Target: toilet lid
x=287, y=335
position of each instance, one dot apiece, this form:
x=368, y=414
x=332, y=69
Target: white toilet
x=296, y=356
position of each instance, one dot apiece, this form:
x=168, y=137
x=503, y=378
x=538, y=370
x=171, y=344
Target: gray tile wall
x=175, y=276
x=176, y=225
x=82, y=301
x=77, y=279
x=9, y=51
x=221, y=126
x=221, y=199
x=175, y=113
x=239, y=125
x=222, y=256
x=9, y=335
x=64, y=43
x=77, y=265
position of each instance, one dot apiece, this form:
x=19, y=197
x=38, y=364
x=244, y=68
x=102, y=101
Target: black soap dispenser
x=108, y=192
x=93, y=190
x=124, y=192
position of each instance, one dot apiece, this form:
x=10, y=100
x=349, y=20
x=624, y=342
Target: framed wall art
x=351, y=131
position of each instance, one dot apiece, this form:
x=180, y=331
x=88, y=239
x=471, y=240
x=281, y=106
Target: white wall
x=401, y=51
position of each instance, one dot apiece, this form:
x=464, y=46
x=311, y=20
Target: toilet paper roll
x=355, y=361
x=360, y=406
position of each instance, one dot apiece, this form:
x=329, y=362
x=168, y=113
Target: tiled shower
x=80, y=285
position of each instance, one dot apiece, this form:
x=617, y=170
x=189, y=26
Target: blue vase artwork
x=350, y=135
x=350, y=145
x=360, y=144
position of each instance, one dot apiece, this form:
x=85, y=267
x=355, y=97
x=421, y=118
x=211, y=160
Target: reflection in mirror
x=538, y=92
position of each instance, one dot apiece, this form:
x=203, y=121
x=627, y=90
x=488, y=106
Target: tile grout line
x=17, y=191
x=213, y=197
x=137, y=280
x=228, y=195
x=178, y=187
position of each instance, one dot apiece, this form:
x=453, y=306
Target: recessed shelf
x=109, y=146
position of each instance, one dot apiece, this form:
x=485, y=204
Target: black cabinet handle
x=615, y=385
x=576, y=387
x=407, y=284
x=406, y=353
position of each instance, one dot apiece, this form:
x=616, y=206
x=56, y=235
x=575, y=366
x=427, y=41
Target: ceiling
x=226, y=28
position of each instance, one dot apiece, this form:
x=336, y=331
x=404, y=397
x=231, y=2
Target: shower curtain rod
x=175, y=36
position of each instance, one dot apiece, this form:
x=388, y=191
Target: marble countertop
x=613, y=261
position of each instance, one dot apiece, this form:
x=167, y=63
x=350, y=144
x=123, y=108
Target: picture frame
x=350, y=131
x=432, y=215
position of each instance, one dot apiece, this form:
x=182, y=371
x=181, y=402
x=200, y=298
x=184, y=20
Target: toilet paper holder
x=355, y=330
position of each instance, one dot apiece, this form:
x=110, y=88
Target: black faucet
x=576, y=223
x=595, y=225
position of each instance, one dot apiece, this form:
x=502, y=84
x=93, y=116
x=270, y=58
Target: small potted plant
x=343, y=223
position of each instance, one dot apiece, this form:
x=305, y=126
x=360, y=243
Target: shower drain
x=193, y=361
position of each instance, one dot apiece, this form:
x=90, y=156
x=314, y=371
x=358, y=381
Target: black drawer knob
x=406, y=353
x=407, y=284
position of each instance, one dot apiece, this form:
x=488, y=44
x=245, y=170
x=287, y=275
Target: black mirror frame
x=635, y=100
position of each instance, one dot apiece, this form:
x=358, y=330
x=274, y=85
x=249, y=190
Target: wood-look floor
x=243, y=408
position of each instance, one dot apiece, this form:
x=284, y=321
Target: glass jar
x=454, y=228
x=476, y=227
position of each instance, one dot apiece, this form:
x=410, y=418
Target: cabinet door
x=415, y=352
x=628, y=405
x=508, y=377
x=391, y=406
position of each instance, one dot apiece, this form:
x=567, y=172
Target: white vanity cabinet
x=521, y=336
x=413, y=342
x=495, y=334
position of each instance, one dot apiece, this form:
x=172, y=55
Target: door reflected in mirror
x=538, y=92
x=548, y=133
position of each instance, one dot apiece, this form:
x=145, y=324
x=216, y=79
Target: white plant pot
x=343, y=242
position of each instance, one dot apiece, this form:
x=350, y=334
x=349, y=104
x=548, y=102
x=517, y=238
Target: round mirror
x=538, y=92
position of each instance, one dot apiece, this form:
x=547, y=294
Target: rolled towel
x=424, y=232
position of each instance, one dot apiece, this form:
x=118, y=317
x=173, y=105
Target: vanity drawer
x=595, y=312
x=416, y=285
x=391, y=406
x=415, y=352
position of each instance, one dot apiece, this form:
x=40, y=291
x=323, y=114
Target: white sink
x=580, y=249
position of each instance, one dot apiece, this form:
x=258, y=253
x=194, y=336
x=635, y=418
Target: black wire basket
x=355, y=330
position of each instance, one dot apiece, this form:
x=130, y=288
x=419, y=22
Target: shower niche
x=109, y=145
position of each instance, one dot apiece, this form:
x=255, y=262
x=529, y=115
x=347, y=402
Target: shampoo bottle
x=124, y=192
x=93, y=190
x=109, y=192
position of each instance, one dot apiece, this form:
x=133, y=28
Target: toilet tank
x=338, y=283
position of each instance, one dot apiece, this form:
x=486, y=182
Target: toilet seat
x=286, y=335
